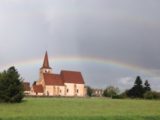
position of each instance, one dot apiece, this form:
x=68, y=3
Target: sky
x=110, y=41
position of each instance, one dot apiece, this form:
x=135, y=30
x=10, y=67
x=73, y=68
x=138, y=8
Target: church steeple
x=45, y=68
x=46, y=62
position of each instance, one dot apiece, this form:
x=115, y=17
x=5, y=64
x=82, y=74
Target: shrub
x=152, y=95
x=117, y=97
x=149, y=95
x=110, y=91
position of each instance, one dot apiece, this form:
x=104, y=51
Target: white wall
x=80, y=88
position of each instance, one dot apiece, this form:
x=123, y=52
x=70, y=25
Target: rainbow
x=72, y=59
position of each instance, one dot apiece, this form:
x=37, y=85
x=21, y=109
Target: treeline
x=11, y=86
x=139, y=90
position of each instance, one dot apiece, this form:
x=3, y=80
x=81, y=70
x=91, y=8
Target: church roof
x=38, y=88
x=53, y=79
x=72, y=77
x=46, y=62
x=64, y=77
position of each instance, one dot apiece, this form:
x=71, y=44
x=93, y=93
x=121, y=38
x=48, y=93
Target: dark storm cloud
x=129, y=33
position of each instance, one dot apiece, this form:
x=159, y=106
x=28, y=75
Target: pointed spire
x=46, y=62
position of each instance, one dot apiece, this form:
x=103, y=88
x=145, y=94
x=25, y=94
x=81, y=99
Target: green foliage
x=152, y=95
x=81, y=109
x=138, y=81
x=147, y=86
x=148, y=95
x=138, y=90
x=124, y=94
x=11, y=87
x=110, y=91
x=34, y=83
x=117, y=97
x=89, y=91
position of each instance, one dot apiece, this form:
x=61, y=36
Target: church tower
x=45, y=67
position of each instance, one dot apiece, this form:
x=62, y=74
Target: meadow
x=80, y=109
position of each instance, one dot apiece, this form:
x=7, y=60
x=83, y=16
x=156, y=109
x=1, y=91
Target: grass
x=80, y=109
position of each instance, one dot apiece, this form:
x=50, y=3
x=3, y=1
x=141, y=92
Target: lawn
x=80, y=109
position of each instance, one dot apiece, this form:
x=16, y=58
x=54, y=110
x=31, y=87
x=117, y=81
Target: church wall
x=49, y=90
x=80, y=90
x=61, y=90
x=54, y=90
x=70, y=89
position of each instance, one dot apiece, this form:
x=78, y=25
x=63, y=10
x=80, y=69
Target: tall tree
x=137, y=90
x=147, y=86
x=89, y=91
x=11, y=86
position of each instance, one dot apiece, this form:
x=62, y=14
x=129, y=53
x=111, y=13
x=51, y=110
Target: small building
x=67, y=83
x=26, y=87
x=97, y=92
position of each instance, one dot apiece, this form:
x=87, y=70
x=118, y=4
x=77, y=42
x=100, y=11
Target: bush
x=110, y=91
x=124, y=94
x=148, y=95
x=117, y=97
x=152, y=95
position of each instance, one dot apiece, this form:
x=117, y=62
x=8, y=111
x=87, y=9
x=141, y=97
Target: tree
x=147, y=86
x=89, y=91
x=11, y=86
x=34, y=83
x=137, y=90
x=110, y=91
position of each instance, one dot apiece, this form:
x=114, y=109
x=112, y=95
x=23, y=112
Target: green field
x=80, y=109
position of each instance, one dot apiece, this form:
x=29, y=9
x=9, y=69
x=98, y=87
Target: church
x=67, y=83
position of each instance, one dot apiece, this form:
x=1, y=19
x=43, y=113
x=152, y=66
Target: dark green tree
x=34, y=83
x=89, y=91
x=11, y=86
x=147, y=86
x=137, y=90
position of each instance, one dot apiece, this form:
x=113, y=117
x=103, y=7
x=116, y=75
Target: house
x=67, y=83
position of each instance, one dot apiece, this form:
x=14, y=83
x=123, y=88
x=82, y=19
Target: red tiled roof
x=26, y=86
x=72, y=77
x=53, y=79
x=38, y=88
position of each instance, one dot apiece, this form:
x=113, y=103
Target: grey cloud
x=124, y=30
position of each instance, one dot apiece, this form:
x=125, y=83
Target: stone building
x=67, y=83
